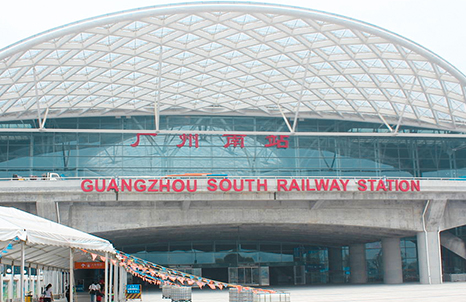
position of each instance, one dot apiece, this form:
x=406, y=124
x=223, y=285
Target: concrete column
x=335, y=265
x=391, y=257
x=46, y=209
x=358, y=265
x=429, y=257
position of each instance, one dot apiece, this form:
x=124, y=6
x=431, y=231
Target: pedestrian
x=67, y=293
x=93, y=289
x=48, y=295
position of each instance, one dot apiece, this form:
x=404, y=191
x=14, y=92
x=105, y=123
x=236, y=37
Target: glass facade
x=281, y=258
x=115, y=154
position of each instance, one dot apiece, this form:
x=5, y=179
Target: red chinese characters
x=189, y=138
x=232, y=140
x=281, y=142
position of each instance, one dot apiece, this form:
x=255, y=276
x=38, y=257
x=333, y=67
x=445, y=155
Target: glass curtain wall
x=281, y=258
x=123, y=154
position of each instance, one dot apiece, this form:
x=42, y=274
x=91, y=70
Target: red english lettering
x=321, y=183
x=415, y=185
x=153, y=182
x=222, y=187
x=112, y=185
x=166, y=186
x=249, y=181
x=281, y=185
x=381, y=185
x=334, y=185
x=212, y=185
x=140, y=188
x=294, y=185
x=344, y=183
x=188, y=186
x=259, y=185
x=372, y=181
x=85, y=187
x=126, y=185
x=176, y=188
x=235, y=186
x=97, y=185
x=403, y=185
x=308, y=186
x=362, y=185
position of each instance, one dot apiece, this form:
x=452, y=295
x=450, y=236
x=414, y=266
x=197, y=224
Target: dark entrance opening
x=281, y=275
x=218, y=274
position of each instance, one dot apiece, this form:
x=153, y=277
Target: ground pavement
x=446, y=292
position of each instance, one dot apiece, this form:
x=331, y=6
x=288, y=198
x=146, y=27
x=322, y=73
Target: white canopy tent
x=27, y=239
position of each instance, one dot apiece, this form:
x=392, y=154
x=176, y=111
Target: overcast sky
x=438, y=25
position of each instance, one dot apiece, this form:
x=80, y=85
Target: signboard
x=133, y=291
x=89, y=265
x=225, y=184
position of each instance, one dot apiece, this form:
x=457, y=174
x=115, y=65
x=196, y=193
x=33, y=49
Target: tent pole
x=21, y=275
x=110, y=283
x=71, y=282
x=106, y=277
x=2, y=271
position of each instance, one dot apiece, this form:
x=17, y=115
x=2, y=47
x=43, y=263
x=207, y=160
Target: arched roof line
x=136, y=14
x=252, y=59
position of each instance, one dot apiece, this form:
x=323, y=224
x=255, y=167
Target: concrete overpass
x=322, y=211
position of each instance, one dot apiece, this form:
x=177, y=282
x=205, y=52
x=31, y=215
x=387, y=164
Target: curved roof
x=232, y=59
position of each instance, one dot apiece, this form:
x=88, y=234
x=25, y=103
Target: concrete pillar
x=335, y=265
x=358, y=265
x=391, y=257
x=429, y=257
x=46, y=209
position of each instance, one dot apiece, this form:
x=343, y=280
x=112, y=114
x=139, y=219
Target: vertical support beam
x=391, y=257
x=21, y=273
x=106, y=277
x=12, y=280
x=38, y=283
x=2, y=272
x=110, y=283
x=430, y=258
x=71, y=281
x=358, y=265
x=123, y=282
x=335, y=263
x=115, y=283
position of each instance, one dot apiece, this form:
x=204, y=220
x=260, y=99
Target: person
x=93, y=289
x=48, y=295
x=67, y=293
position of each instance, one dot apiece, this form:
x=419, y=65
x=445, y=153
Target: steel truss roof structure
x=230, y=59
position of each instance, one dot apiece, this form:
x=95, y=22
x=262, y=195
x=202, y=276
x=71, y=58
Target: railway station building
x=245, y=142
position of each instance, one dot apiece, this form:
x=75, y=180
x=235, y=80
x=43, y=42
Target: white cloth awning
x=47, y=243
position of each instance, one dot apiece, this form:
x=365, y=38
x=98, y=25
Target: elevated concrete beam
x=434, y=214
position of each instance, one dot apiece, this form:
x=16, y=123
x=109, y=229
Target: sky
x=438, y=25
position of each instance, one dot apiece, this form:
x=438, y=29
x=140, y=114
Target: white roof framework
x=230, y=59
